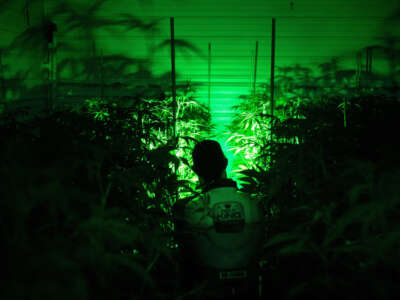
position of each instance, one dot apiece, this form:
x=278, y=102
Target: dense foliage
x=331, y=195
x=87, y=189
x=87, y=195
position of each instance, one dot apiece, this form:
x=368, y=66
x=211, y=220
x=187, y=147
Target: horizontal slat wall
x=309, y=33
x=331, y=8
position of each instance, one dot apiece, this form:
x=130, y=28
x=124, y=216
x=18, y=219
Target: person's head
x=209, y=161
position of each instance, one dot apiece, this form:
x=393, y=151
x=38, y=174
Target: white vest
x=227, y=228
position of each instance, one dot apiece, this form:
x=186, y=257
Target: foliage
x=84, y=188
x=332, y=205
x=87, y=191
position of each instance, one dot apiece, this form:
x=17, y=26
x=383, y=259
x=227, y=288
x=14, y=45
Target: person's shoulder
x=190, y=202
x=196, y=204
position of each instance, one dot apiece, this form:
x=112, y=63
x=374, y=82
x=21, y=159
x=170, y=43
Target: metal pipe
x=209, y=76
x=101, y=75
x=3, y=86
x=272, y=76
x=173, y=78
x=369, y=60
x=272, y=67
x=359, y=70
x=174, y=104
x=255, y=70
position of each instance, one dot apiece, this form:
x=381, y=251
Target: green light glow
x=92, y=54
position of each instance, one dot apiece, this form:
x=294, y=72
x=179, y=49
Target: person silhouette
x=220, y=233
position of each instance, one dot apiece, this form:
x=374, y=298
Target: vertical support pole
x=369, y=60
x=55, y=77
x=49, y=96
x=50, y=28
x=51, y=73
x=173, y=78
x=3, y=86
x=368, y=64
x=358, y=70
x=94, y=56
x=48, y=36
x=345, y=112
x=101, y=76
x=27, y=14
x=53, y=64
x=209, y=76
x=272, y=72
x=391, y=57
x=255, y=70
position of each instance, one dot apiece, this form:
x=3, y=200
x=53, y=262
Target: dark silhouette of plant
x=182, y=46
x=324, y=182
x=110, y=223
x=34, y=39
x=329, y=198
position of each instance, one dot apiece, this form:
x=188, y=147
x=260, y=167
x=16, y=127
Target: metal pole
x=50, y=29
x=255, y=70
x=368, y=58
x=51, y=72
x=48, y=32
x=2, y=77
x=173, y=78
x=101, y=75
x=345, y=112
x=49, y=100
x=209, y=76
x=27, y=14
x=52, y=65
x=272, y=71
x=3, y=86
x=55, y=78
x=359, y=70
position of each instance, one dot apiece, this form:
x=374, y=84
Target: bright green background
x=309, y=33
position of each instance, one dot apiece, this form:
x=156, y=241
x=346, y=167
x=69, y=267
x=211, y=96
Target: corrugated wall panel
x=308, y=33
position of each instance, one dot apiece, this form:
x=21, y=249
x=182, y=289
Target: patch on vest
x=228, y=217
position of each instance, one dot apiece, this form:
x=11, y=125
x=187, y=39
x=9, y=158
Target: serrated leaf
x=184, y=161
x=250, y=173
x=237, y=151
x=249, y=180
x=230, y=138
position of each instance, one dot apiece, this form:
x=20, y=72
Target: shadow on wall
x=110, y=75
x=95, y=70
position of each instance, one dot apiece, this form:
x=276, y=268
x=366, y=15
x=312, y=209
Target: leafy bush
x=87, y=195
x=331, y=200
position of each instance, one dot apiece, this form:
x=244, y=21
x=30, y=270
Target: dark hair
x=208, y=160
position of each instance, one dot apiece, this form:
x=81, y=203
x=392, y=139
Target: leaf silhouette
x=132, y=22
x=181, y=45
x=33, y=38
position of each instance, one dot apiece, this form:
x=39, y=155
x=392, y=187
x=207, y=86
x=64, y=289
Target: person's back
x=228, y=225
x=224, y=231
